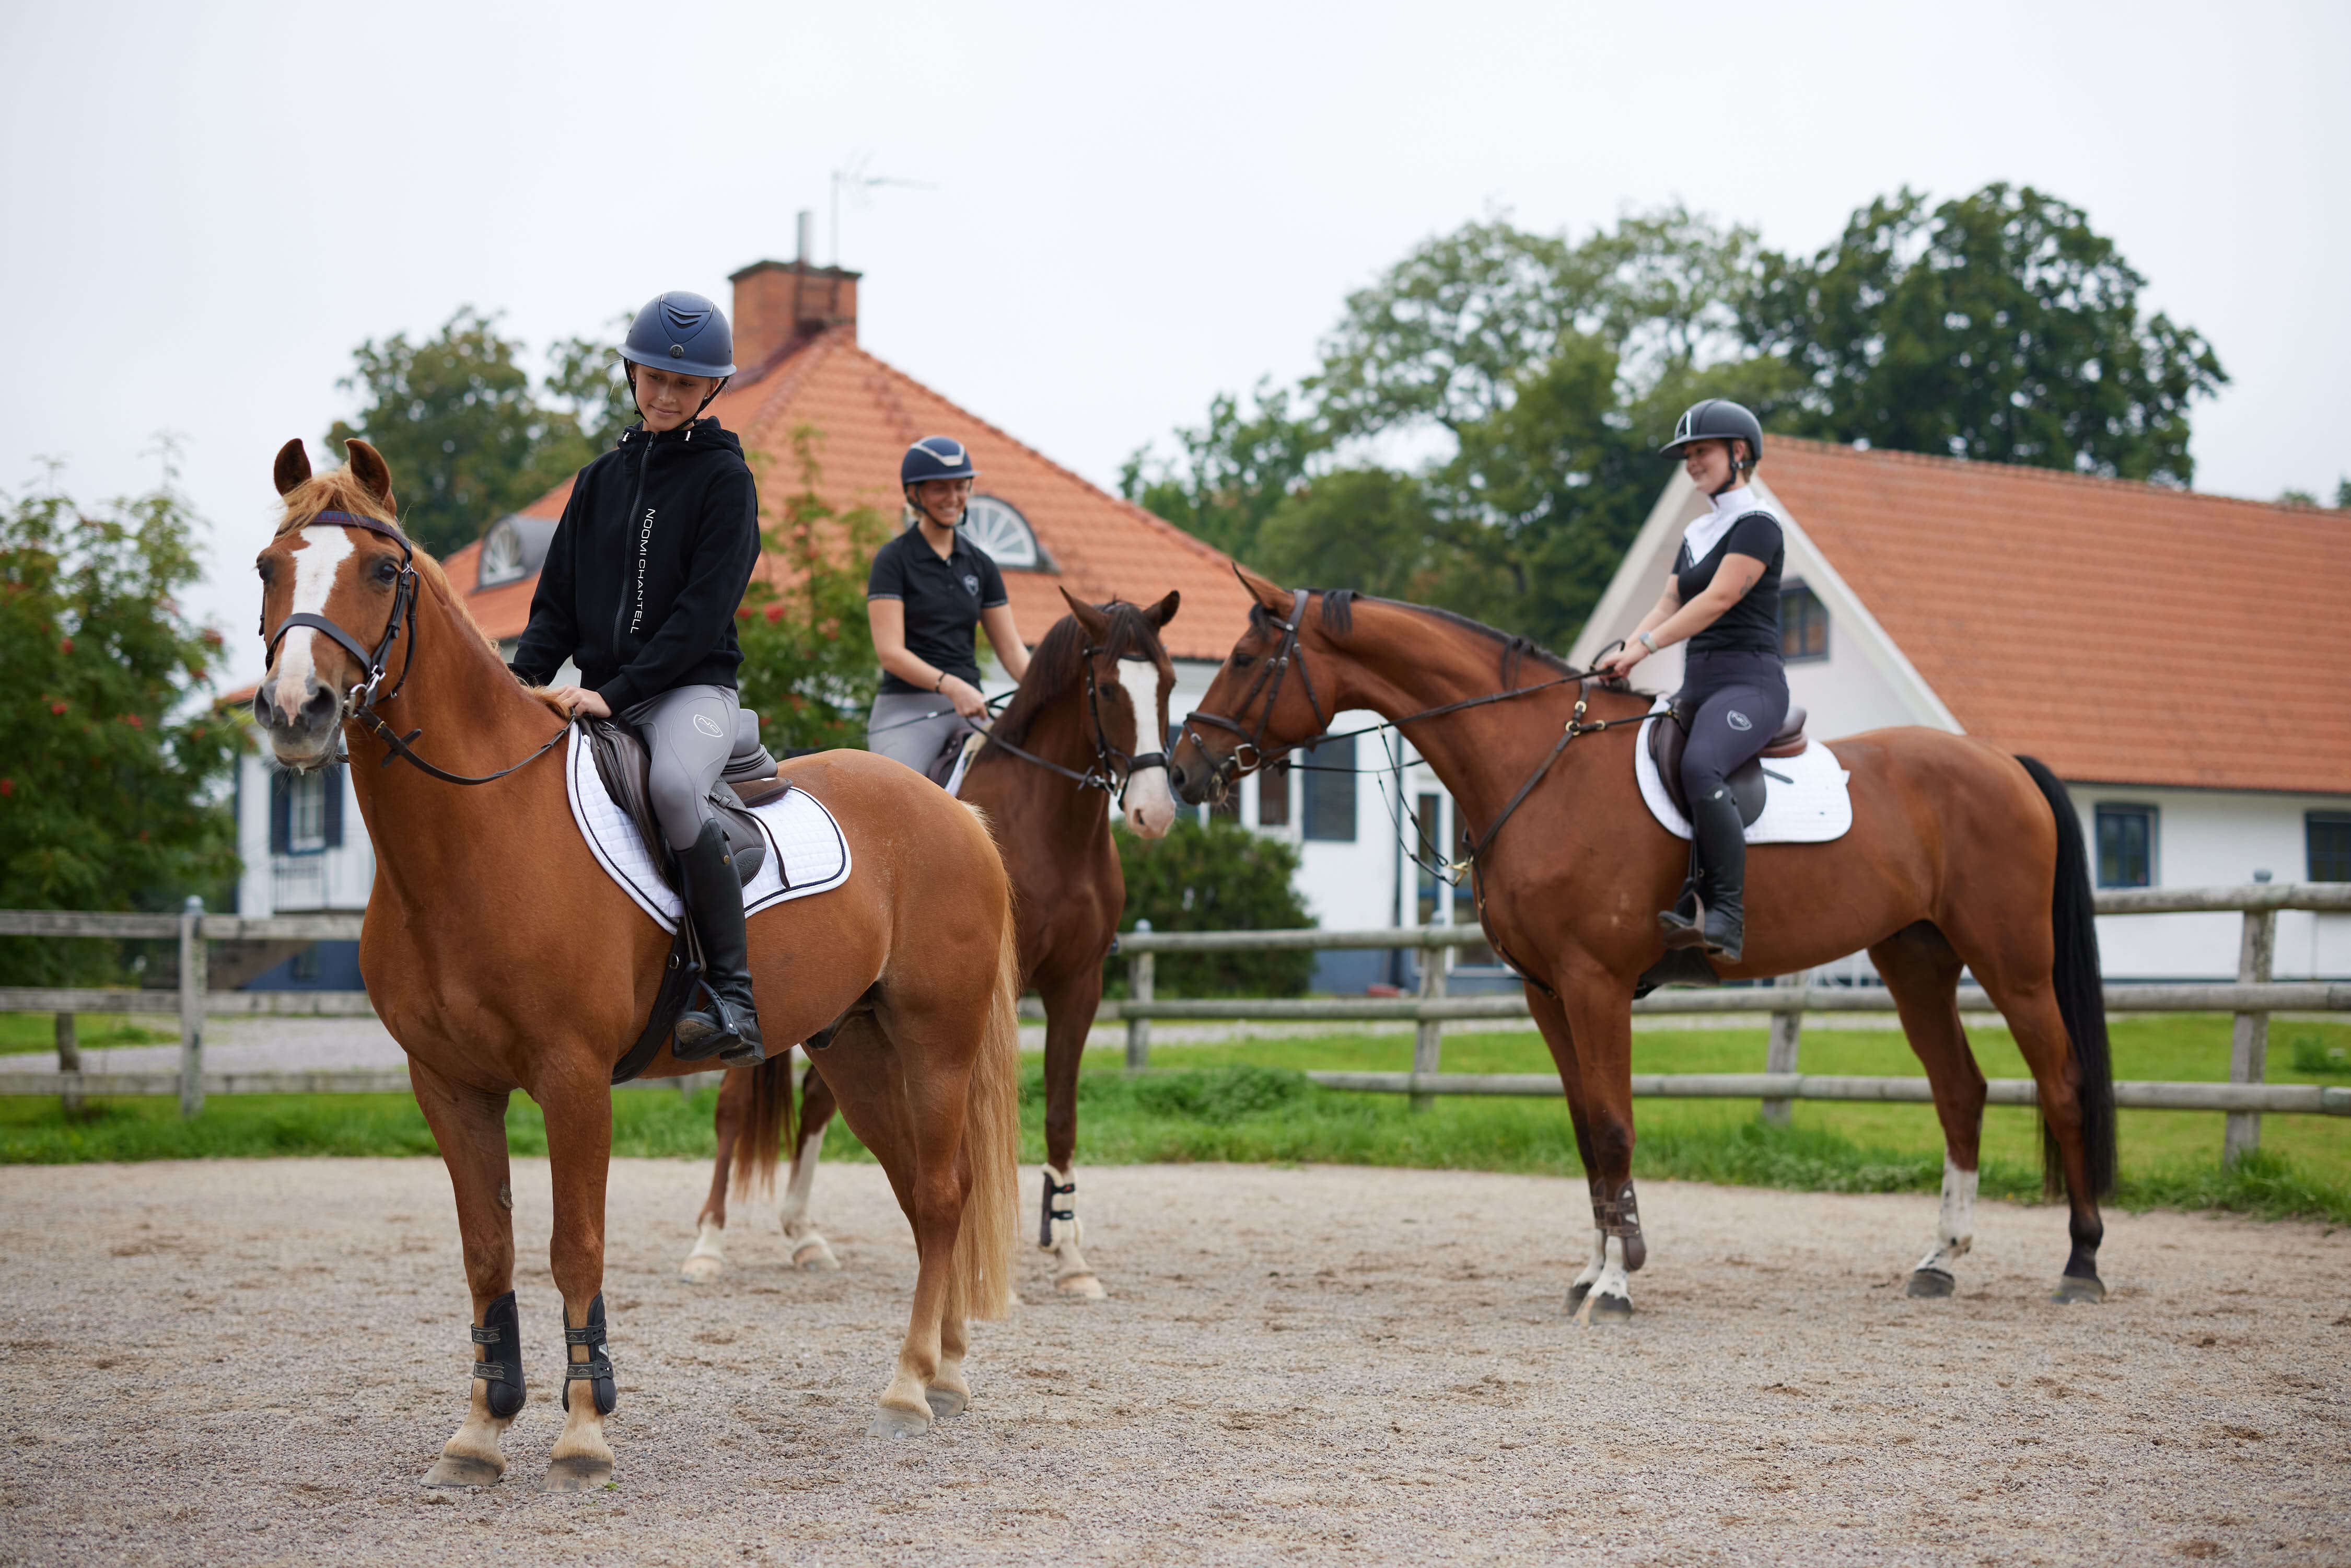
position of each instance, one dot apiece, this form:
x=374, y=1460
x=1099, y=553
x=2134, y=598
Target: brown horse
x=1958, y=855
x=502, y=957
x=1076, y=716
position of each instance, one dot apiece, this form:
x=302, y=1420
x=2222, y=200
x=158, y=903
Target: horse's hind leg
x=470, y=1127
x=708, y=1258
x=1070, y=1002
x=1923, y=974
x=808, y=1245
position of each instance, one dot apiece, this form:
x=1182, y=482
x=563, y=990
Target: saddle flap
x=623, y=763
x=1670, y=735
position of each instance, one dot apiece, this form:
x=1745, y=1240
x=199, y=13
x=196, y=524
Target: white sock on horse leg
x=1955, y=1227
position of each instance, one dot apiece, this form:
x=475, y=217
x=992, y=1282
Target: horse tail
x=766, y=1123
x=991, y=1142
x=2081, y=993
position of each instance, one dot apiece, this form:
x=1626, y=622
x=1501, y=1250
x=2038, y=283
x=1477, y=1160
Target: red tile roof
x=2123, y=633
x=865, y=414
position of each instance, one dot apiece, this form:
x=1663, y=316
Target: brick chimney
x=779, y=304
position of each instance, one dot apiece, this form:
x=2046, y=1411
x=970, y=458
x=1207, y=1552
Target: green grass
x=1248, y=1101
x=23, y=1032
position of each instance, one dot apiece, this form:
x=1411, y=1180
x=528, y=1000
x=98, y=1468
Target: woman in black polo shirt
x=930, y=588
x=1723, y=596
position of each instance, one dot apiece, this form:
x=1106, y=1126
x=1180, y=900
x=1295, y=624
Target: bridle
x=1287, y=652
x=361, y=704
x=1114, y=768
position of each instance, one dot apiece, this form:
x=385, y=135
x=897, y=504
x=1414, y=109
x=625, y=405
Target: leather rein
x=361, y=704
x=1114, y=768
x=1269, y=682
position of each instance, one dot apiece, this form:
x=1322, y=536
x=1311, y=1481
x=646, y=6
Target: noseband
x=1114, y=769
x=1269, y=682
x=361, y=704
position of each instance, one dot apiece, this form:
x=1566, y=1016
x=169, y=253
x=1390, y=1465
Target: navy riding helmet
x=1717, y=419
x=936, y=457
x=683, y=333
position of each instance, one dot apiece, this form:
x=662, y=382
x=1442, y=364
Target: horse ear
x=1096, y=623
x=293, y=465
x=372, y=470
x=1272, y=595
x=1163, y=611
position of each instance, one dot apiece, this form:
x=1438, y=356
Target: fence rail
x=2246, y=1098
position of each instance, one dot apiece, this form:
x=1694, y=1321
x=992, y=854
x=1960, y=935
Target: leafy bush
x=2312, y=1054
x=808, y=668
x=1221, y=1095
x=1214, y=876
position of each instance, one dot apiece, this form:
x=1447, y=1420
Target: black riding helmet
x=1718, y=419
x=685, y=333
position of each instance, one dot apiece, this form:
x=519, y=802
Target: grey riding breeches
x=912, y=728
x=689, y=734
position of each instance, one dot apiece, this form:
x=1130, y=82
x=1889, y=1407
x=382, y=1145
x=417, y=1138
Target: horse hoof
x=2072, y=1288
x=892, y=1422
x=1608, y=1310
x=816, y=1258
x=576, y=1473
x=700, y=1271
x=947, y=1401
x=1927, y=1283
x=1082, y=1287
x=463, y=1470
x=1575, y=1294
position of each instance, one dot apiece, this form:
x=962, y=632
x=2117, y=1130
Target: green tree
x=1367, y=528
x=112, y=763
x=1997, y=326
x=1214, y=876
x=470, y=439
x=1229, y=475
x=808, y=667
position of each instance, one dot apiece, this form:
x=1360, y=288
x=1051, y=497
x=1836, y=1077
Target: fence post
x=1428, y=1034
x=2249, y=1041
x=1140, y=972
x=1779, y=1056
x=69, y=1060
x=191, y=1006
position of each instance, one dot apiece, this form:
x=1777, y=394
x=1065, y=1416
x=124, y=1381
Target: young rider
x=1723, y=598
x=640, y=587
x=930, y=586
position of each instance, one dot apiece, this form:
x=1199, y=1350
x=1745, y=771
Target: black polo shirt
x=943, y=599
x=1752, y=624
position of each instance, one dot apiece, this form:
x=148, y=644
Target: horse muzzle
x=298, y=719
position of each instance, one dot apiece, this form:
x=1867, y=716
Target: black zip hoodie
x=647, y=568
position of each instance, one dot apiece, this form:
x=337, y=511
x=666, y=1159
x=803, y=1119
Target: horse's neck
x=1063, y=733
x=434, y=840
x=1399, y=663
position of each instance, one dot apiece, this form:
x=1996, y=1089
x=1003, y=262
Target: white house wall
x=338, y=877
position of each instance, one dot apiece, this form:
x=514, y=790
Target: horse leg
x=708, y=1258
x=1071, y=1000
x=470, y=1127
x=808, y=1245
x=580, y=1150
x=1599, y=1014
x=1923, y=974
x=1552, y=1019
x=947, y=1392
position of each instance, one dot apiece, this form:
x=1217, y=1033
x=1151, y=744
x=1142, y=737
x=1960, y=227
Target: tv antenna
x=858, y=183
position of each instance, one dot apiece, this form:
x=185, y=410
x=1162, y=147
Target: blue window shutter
x=334, y=803
x=281, y=811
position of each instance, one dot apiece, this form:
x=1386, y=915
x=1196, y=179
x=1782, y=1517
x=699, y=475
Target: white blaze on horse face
x=1150, y=804
x=318, y=558
x=1955, y=1229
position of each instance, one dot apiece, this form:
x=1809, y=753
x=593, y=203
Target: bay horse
x=1068, y=737
x=1958, y=855
x=501, y=956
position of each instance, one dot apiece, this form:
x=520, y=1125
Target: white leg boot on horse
x=1955, y=1232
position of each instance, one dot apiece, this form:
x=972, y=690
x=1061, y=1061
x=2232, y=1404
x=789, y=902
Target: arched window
x=1000, y=529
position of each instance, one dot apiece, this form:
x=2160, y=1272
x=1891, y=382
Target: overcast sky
x=207, y=205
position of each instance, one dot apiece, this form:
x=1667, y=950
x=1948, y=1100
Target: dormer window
x=514, y=547
x=997, y=527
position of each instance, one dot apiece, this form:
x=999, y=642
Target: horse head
x=1262, y=702
x=1130, y=675
x=335, y=576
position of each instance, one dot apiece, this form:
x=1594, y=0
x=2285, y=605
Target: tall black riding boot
x=728, y=1028
x=1722, y=840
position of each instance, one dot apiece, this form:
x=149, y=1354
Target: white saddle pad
x=806, y=852
x=1806, y=803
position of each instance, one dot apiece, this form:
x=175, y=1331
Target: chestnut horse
x=1075, y=715
x=1960, y=854
x=502, y=957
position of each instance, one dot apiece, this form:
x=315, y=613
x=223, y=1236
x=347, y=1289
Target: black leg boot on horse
x=1721, y=882
x=728, y=1028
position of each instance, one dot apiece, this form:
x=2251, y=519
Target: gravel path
x=253, y=1362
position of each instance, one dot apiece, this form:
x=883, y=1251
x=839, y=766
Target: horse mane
x=341, y=490
x=1058, y=663
x=1338, y=612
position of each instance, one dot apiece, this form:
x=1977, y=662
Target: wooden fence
x=2244, y=1098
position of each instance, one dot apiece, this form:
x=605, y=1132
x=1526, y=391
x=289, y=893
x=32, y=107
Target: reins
x=1114, y=769
x=361, y=706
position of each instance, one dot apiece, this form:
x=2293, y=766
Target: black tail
x=2081, y=992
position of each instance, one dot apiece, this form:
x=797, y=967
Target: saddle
x=1748, y=787
x=748, y=779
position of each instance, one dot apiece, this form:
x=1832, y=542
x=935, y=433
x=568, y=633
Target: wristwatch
x=1647, y=641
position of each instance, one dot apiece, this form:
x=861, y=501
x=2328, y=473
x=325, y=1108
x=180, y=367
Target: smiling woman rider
x=642, y=582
